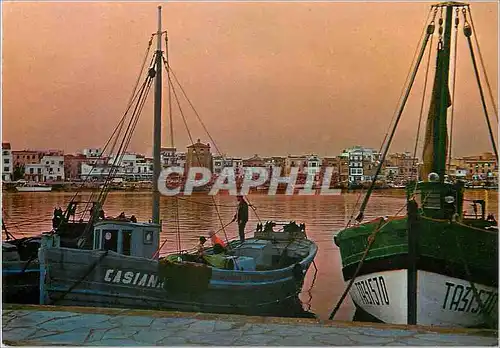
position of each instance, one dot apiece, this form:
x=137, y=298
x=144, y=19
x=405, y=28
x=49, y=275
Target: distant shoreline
x=56, y=189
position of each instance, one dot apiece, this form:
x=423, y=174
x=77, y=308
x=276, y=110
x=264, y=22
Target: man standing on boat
x=242, y=216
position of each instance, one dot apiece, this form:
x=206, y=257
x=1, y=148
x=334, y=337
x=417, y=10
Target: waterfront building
x=362, y=163
x=23, y=157
x=220, y=162
x=168, y=156
x=254, y=161
x=483, y=167
x=50, y=168
x=312, y=165
x=199, y=155
x=73, y=166
x=7, y=162
x=92, y=152
x=292, y=161
x=133, y=167
x=407, y=167
x=333, y=162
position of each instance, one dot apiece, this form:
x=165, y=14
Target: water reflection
x=31, y=213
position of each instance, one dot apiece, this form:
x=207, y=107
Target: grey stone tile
x=172, y=341
x=286, y=330
x=133, y=321
x=214, y=338
x=256, y=329
x=71, y=323
x=117, y=343
x=333, y=340
x=67, y=328
x=303, y=340
x=164, y=323
x=119, y=333
x=151, y=337
x=457, y=339
x=202, y=326
x=74, y=337
x=370, y=340
x=224, y=325
x=18, y=333
x=257, y=340
x=386, y=332
x=95, y=335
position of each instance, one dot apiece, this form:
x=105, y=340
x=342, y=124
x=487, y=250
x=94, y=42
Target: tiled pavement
x=47, y=325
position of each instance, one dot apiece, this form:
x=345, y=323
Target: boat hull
x=449, y=257
x=20, y=281
x=108, y=279
x=442, y=300
x=34, y=188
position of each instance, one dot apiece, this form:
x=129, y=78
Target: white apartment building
x=168, y=156
x=312, y=165
x=50, y=168
x=221, y=162
x=92, y=152
x=132, y=167
x=360, y=158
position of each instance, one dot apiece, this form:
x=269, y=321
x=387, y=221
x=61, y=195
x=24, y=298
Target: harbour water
x=189, y=217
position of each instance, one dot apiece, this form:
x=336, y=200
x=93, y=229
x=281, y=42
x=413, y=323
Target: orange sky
x=269, y=78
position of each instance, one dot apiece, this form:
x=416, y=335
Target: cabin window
x=127, y=237
x=97, y=239
x=110, y=240
x=148, y=237
x=431, y=200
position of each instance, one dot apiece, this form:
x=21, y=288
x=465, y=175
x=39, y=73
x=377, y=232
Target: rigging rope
x=116, y=131
x=482, y=64
x=169, y=69
x=191, y=139
x=426, y=78
x=424, y=30
x=468, y=33
x=169, y=93
x=453, y=89
x=422, y=35
x=429, y=32
x=141, y=97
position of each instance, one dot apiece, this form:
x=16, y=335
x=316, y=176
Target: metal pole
x=169, y=93
x=412, y=209
x=157, y=126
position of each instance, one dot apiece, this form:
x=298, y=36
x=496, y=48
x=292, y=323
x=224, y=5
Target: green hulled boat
x=435, y=265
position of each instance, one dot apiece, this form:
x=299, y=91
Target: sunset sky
x=270, y=78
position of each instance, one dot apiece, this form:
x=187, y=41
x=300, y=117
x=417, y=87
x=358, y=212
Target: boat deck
x=49, y=325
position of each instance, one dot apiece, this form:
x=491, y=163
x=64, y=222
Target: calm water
x=193, y=216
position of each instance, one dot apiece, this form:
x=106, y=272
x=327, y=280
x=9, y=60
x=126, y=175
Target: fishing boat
x=24, y=186
x=124, y=268
x=20, y=269
x=434, y=265
x=20, y=266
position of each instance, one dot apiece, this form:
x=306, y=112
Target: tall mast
x=157, y=126
x=440, y=129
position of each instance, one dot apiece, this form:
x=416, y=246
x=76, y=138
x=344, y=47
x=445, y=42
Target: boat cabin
x=436, y=199
x=127, y=238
